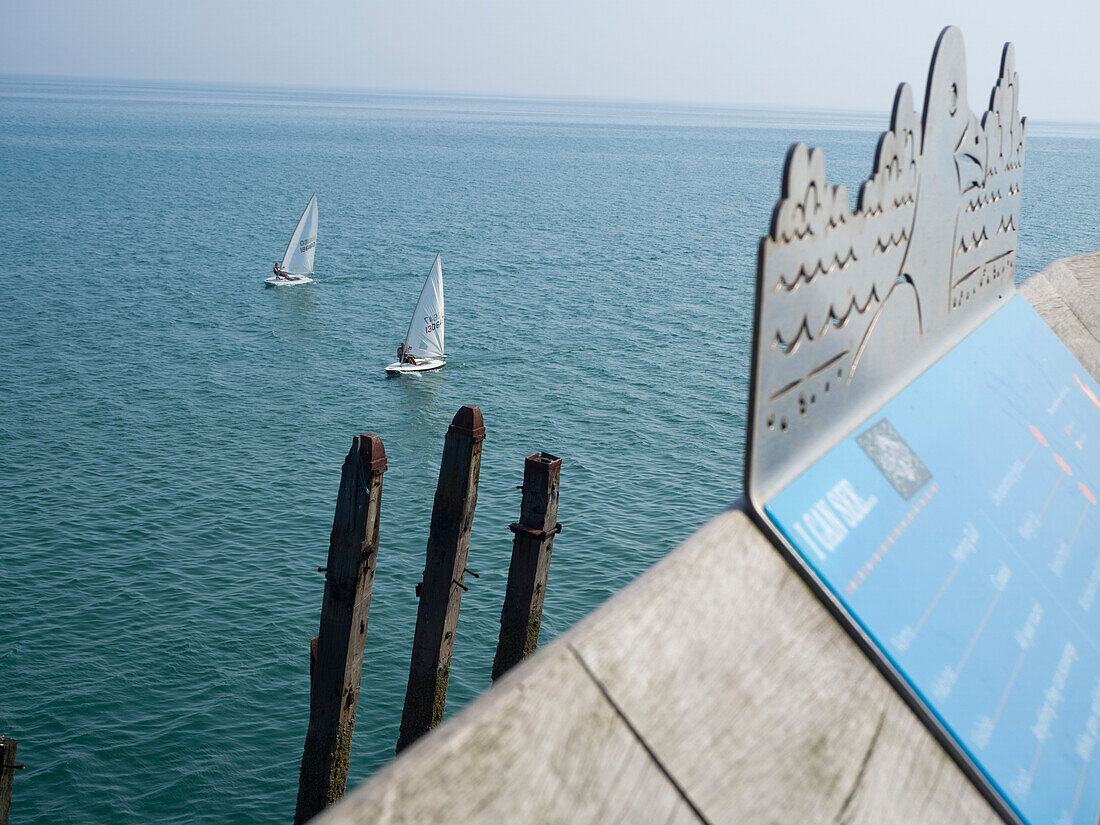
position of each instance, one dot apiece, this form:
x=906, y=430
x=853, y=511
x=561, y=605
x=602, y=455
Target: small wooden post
x=521, y=616
x=444, y=576
x=7, y=775
x=336, y=654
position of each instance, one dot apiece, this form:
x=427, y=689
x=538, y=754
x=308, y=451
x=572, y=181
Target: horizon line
x=427, y=93
x=714, y=106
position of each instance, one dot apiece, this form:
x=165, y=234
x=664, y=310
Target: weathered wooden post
x=336, y=660
x=444, y=576
x=521, y=616
x=7, y=775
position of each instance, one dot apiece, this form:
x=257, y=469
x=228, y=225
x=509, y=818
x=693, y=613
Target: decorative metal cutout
x=852, y=306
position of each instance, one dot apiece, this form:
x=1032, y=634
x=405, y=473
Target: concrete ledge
x=714, y=688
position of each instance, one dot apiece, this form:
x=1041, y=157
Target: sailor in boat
x=404, y=355
x=280, y=274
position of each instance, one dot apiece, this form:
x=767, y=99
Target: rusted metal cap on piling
x=544, y=458
x=468, y=422
x=372, y=453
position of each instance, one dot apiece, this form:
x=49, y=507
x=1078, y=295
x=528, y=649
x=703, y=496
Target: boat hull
x=424, y=365
x=293, y=280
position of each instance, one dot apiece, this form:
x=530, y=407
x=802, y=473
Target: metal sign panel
x=958, y=526
x=923, y=448
x=851, y=306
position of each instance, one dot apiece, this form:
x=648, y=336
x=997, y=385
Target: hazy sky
x=847, y=54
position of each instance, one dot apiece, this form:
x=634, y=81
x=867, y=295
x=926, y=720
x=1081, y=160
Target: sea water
x=171, y=433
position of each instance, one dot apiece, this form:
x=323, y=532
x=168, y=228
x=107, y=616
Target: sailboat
x=422, y=349
x=297, y=264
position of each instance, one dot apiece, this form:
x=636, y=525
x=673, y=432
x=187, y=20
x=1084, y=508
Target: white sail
x=425, y=337
x=298, y=259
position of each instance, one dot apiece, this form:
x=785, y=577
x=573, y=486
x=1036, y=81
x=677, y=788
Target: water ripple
x=171, y=434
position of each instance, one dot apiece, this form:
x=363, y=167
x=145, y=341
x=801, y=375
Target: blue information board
x=959, y=528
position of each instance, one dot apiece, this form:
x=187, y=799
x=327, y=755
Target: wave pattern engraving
x=834, y=320
x=819, y=269
x=930, y=247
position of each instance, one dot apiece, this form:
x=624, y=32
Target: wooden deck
x=715, y=688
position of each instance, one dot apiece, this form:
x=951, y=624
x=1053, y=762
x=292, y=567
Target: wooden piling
x=7, y=775
x=336, y=654
x=444, y=576
x=521, y=616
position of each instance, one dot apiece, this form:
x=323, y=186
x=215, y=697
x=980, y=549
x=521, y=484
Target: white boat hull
x=425, y=364
x=293, y=280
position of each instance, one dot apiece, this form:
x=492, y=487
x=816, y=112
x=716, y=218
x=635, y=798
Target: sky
x=842, y=54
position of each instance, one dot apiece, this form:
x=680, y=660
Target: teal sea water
x=171, y=433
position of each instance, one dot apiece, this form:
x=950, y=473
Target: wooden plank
x=542, y=746
x=444, y=576
x=8, y=747
x=1077, y=281
x=757, y=701
x=336, y=654
x=529, y=569
x=1066, y=324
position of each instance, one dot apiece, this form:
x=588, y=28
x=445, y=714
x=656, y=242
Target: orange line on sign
x=1088, y=392
x=1087, y=492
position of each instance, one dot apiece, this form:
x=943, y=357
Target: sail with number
x=425, y=337
x=298, y=259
